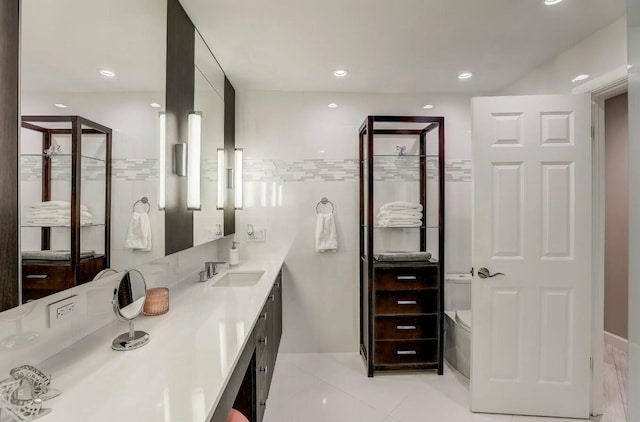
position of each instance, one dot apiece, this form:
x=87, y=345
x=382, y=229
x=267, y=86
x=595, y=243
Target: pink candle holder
x=157, y=301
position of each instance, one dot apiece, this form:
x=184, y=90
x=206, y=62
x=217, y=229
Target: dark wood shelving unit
x=41, y=277
x=401, y=302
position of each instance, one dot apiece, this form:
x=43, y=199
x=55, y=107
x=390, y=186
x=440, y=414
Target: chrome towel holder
x=144, y=200
x=324, y=201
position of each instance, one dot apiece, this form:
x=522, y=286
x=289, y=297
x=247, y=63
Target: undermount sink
x=239, y=279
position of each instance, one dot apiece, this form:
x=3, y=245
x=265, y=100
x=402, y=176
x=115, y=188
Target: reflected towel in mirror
x=139, y=233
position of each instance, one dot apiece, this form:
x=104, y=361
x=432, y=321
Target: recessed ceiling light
x=427, y=106
x=580, y=78
x=341, y=73
x=332, y=105
x=60, y=105
x=551, y=2
x=107, y=73
x=629, y=66
x=465, y=75
x=321, y=151
x=155, y=105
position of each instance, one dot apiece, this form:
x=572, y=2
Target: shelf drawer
x=406, y=302
x=406, y=278
x=46, y=276
x=406, y=327
x=405, y=352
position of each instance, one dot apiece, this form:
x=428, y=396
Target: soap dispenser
x=234, y=255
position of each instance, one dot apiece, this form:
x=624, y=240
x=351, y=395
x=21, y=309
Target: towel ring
x=324, y=201
x=144, y=200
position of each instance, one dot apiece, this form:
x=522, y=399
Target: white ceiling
x=64, y=42
x=391, y=45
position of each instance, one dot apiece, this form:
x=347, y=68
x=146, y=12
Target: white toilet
x=457, y=308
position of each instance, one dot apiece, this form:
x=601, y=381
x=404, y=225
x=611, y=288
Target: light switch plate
x=62, y=311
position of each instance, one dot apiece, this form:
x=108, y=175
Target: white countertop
x=179, y=376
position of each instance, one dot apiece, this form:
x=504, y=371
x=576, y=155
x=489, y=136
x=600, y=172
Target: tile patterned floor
x=334, y=388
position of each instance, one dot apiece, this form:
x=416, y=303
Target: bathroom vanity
x=214, y=350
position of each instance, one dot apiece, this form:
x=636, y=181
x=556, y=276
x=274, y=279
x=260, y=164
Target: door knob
x=485, y=273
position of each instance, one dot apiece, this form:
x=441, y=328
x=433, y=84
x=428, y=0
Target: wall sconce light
x=193, y=160
x=238, y=178
x=180, y=159
x=221, y=172
x=162, y=145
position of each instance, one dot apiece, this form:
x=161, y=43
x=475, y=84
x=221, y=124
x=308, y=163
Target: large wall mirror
x=208, y=98
x=105, y=62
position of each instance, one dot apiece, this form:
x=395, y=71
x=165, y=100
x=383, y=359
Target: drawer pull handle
x=407, y=302
x=264, y=340
x=406, y=277
x=37, y=276
x=406, y=352
x=264, y=316
x=272, y=298
x=406, y=327
x=265, y=370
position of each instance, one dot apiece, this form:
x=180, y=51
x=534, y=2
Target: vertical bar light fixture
x=193, y=161
x=162, y=141
x=238, y=178
x=221, y=175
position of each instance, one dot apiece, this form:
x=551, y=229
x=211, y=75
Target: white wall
x=596, y=55
x=633, y=391
x=282, y=133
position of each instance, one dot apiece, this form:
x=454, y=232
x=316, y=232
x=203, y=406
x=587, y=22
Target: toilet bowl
x=458, y=322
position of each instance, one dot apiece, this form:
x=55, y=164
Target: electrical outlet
x=259, y=234
x=62, y=310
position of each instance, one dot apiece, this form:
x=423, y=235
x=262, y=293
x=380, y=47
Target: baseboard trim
x=616, y=341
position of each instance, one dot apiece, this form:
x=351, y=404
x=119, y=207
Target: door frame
x=602, y=88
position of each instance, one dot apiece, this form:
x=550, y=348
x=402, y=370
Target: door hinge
x=593, y=133
x=591, y=363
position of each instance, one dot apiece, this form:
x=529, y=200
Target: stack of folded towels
x=400, y=214
x=55, y=213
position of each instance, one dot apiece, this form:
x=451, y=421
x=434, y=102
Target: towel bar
x=324, y=201
x=143, y=200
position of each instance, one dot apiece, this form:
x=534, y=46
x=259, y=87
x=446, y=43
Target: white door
x=531, y=336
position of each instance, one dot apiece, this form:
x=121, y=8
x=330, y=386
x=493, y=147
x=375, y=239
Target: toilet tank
x=457, y=292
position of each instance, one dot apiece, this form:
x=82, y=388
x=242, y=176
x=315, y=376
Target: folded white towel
x=416, y=215
x=53, y=213
x=401, y=206
x=139, y=232
x=400, y=223
x=55, y=205
x=326, y=234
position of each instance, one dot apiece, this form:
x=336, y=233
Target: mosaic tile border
x=257, y=170
x=320, y=170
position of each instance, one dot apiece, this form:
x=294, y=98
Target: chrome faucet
x=211, y=269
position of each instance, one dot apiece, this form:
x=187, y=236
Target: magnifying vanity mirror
x=128, y=303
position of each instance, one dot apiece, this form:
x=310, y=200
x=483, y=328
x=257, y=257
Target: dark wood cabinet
x=402, y=301
x=248, y=388
x=79, y=174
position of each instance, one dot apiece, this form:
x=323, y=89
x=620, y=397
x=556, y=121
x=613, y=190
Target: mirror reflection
x=106, y=64
x=208, y=98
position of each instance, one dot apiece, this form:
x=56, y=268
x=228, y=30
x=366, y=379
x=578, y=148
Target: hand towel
x=139, y=233
x=326, y=234
x=401, y=206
